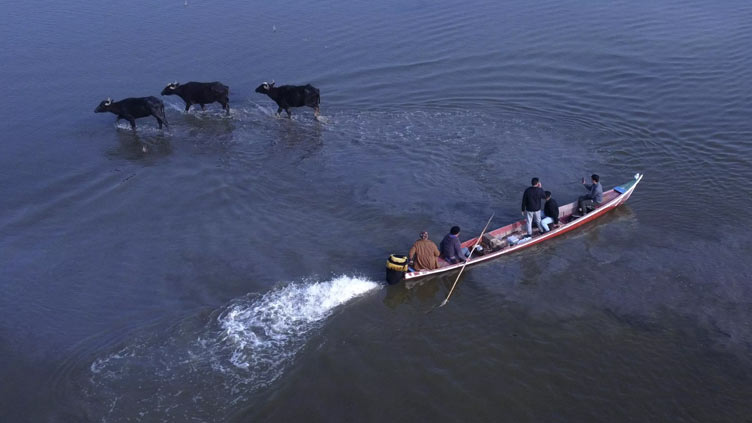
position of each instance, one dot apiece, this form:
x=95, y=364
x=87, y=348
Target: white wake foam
x=249, y=344
x=264, y=331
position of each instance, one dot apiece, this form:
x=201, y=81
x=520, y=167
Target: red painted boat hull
x=611, y=199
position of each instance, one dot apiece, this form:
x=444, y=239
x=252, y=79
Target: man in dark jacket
x=592, y=198
x=550, y=212
x=531, y=205
x=451, y=248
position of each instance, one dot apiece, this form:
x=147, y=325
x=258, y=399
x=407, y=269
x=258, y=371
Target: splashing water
x=261, y=329
x=247, y=347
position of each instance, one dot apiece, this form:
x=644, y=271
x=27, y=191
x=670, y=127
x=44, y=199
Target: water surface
x=230, y=268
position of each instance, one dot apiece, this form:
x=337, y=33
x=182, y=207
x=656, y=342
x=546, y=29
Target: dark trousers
x=584, y=203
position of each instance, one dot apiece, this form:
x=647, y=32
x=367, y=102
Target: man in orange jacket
x=423, y=253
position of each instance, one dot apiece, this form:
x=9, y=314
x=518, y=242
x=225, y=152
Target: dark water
x=230, y=269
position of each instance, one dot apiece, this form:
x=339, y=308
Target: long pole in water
x=467, y=261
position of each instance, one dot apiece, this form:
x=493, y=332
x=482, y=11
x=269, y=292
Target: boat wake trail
x=262, y=333
x=203, y=369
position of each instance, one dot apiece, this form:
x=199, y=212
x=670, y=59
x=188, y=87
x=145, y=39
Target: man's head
x=548, y=195
x=455, y=230
x=535, y=182
x=423, y=235
x=595, y=178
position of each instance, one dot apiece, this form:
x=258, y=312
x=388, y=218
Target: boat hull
x=612, y=199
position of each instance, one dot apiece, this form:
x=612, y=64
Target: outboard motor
x=396, y=267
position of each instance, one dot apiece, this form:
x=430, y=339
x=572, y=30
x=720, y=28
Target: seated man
x=592, y=198
x=550, y=213
x=423, y=254
x=451, y=248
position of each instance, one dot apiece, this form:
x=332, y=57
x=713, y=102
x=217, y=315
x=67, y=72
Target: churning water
x=246, y=346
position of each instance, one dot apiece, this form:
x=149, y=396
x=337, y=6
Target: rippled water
x=196, y=273
x=242, y=348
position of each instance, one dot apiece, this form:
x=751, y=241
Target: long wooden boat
x=567, y=222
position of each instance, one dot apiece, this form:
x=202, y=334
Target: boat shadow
x=423, y=292
x=432, y=290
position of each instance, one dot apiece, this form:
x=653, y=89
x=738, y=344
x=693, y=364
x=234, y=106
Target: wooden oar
x=467, y=261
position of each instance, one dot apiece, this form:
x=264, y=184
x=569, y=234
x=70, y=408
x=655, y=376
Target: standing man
x=550, y=212
x=593, y=197
x=451, y=248
x=423, y=254
x=531, y=205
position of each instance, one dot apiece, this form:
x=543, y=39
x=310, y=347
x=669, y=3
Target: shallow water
x=230, y=268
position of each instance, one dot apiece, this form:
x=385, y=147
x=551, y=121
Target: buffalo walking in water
x=201, y=93
x=287, y=96
x=131, y=109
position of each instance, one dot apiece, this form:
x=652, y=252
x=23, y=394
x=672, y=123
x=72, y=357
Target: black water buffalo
x=200, y=93
x=287, y=96
x=131, y=109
